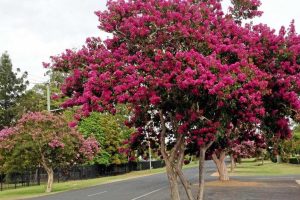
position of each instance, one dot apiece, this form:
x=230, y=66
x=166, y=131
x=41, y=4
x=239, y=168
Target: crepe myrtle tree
x=187, y=70
x=282, y=60
x=254, y=146
x=277, y=55
x=42, y=138
x=242, y=142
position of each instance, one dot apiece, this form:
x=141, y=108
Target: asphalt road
x=154, y=187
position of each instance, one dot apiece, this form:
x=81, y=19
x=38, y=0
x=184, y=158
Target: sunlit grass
x=249, y=167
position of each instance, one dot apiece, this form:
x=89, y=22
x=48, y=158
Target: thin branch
x=163, y=135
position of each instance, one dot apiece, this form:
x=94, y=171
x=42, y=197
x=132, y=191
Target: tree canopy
x=110, y=133
x=12, y=87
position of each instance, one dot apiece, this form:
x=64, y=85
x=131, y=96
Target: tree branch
x=163, y=136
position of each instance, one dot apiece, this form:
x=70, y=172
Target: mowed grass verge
x=35, y=191
x=250, y=167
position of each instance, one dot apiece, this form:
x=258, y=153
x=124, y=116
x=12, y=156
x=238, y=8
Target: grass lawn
x=249, y=167
x=297, y=134
x=34, y=191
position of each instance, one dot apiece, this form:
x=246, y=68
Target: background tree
x=56, y=80
x=12, y=87
x=33, y=100
x=44, y=139
x=280, y=62
x=110, y=132
x=290, y=148
x=243, y=141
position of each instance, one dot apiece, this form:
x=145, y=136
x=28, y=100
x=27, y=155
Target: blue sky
x=33, y=30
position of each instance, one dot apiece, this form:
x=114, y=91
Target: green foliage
x=56, y=80
x=43, y=139
x=110, y=132
x=291, y=148
x=12, y=87
x=296, y=132
x=33, y=100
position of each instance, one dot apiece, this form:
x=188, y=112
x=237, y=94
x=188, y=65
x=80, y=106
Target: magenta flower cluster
x=55, y=143
x=200, y=67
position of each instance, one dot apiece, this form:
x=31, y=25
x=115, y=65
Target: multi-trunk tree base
x=221, y=165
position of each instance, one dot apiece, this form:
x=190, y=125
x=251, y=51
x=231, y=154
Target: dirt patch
x=232, y=183
x=215, y=174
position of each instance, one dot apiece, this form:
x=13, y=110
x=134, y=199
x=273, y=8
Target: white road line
x=147, y=194
x=90, y=195
x=298, y=181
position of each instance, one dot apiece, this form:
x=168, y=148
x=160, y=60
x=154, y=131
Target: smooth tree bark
x=201, y=174
x=233, y=164
x=202, y=152
x=278, y=158
x=169, y=159
x=50, y=174
x=174, y=160
x=186, y=184
x=221, y=165
x=173, y=183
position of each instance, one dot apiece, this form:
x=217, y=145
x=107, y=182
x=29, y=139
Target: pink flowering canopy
x=188, y=60
x=244, y=142
x=47, y=140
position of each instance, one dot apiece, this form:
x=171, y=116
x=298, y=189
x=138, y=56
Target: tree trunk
x=50, y=179
x=169, y=159
x=174, y=159
x=186, y=184
x=221, y=166
x=172, y=177
x=50, y=173
x=232, y=163
x=178, y=167
x=223, y=173
x=278, y=157
x=201, y=173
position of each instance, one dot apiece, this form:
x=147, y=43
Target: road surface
x=155, y=187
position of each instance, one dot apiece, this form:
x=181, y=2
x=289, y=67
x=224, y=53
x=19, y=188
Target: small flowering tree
x=44, y=139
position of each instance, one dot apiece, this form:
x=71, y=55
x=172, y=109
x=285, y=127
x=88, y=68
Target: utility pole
x=150, y=159
x=48, y=97
x=48, y=100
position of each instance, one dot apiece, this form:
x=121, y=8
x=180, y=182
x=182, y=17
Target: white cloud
x=279, y=13
x=33, y=30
